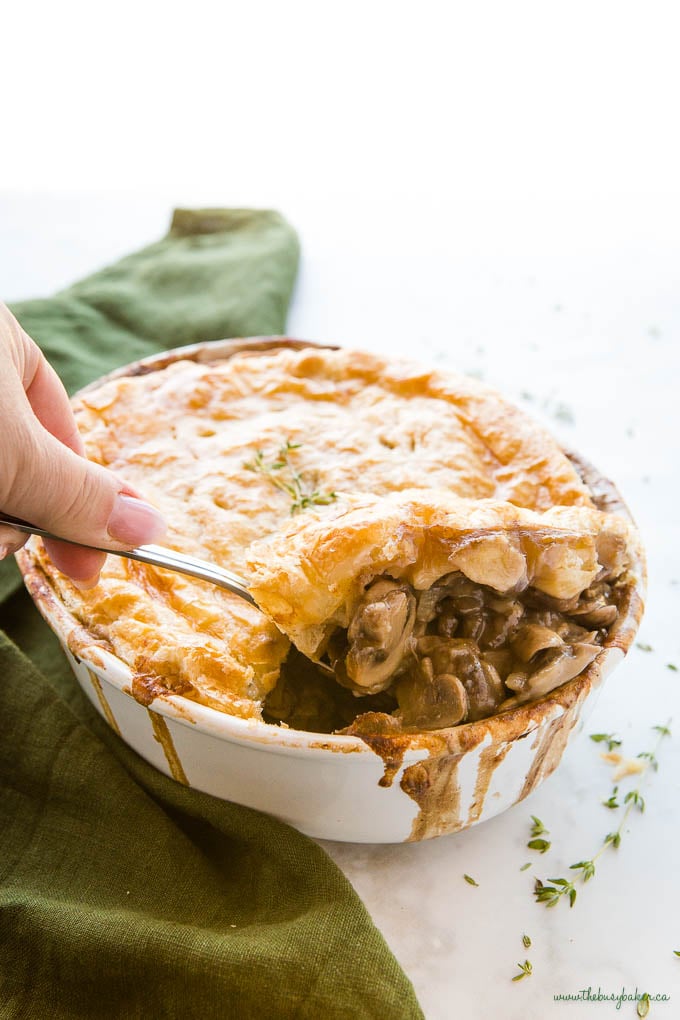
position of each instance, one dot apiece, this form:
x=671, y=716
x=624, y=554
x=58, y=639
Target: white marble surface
x=574, y=311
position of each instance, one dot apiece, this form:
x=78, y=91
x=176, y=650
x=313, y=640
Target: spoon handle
x=157, y=555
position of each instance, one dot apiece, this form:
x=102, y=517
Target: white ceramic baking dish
x=382, y=789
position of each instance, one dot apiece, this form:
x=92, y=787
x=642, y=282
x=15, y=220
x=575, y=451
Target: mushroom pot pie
x=407, y=526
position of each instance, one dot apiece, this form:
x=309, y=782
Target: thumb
x=43, y=476
x=80, y=501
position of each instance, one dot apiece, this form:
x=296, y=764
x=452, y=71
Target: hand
x=44, y=476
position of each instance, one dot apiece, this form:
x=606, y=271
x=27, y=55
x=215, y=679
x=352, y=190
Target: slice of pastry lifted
x=459, y=608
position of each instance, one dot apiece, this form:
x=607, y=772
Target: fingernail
x=134, y=522
x=87, y=585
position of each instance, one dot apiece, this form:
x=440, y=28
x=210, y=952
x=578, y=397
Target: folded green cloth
x=122, y=893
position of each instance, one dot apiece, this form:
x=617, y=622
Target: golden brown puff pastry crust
x=311, y=576
x=183, y=435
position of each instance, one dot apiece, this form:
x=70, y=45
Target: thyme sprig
x=550, y=895
x=285, y=476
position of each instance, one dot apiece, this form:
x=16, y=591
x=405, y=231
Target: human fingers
x=43, y=478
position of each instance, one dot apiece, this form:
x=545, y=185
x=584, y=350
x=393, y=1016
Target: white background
x=487, y=186
x=266, y=102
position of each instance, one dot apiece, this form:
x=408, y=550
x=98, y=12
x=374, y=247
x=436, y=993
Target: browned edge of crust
x=207, y=351
x=507, y=726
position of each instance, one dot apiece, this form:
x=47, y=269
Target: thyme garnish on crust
x=285, y=476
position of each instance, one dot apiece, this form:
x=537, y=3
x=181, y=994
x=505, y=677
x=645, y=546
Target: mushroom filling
x=461, y=651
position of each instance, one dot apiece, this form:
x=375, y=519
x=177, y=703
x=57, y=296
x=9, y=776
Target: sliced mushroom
x=503, y=617
x=595, y=608
x=573, y=632
x=564, y=664
x=378, y=635
x=454, y=652
x=501, y=659
x=462, y=610
x=601, y=616
x=448, y=621
x=462, y=658
x=431, y=702
x=517, y=681
x=485, y=696
x=541, y=602
x=472, y=625
x=428, y=603
x=533, y=638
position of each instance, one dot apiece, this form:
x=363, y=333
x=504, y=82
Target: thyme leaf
x=470, y=880
x=612, y=802
x=525, y=971
x=284, y=475
x=635, y=797
x=651, y=758
x=587, y=868
x=610, y=739
x=538, y=828
x=542, y=845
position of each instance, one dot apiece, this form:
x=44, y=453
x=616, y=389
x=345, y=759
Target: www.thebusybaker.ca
x=588, y=995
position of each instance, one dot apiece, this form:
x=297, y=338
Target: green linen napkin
x=122, y=893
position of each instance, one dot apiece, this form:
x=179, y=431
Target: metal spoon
x=161, y=556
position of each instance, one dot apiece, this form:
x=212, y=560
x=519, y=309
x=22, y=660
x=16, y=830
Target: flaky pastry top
x=311, y=576
x=359, y=425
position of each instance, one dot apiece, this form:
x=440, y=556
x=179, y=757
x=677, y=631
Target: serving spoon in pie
x=162, y=556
